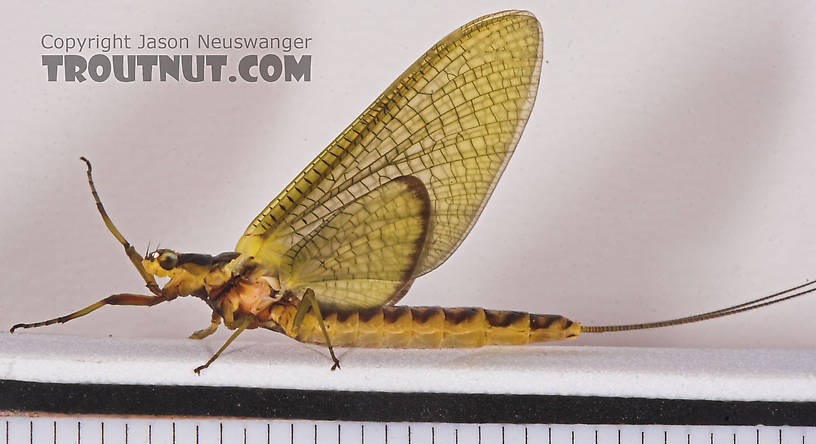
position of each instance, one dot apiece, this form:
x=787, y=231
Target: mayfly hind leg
x=204, y=332
x=240, y=327
x=309, y=301
x=131, y=252
x=117, y=299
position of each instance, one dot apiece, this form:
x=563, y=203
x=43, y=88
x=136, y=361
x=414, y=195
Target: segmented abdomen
x=435, y=327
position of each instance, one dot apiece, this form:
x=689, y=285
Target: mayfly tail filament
x=790, y=293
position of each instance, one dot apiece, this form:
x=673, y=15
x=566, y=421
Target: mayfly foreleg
x=203, y=333
x=117, y=299
x=241, y=326
x=309, y=301
x=131, y=252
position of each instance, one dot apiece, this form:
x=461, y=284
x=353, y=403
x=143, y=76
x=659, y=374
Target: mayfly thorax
x=390, y=199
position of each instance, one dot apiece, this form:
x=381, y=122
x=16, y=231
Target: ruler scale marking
x=21, y=429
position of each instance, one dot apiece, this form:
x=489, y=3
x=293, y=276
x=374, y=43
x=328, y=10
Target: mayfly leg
x=310, y=301
x=117, y=299
x=215, y=321
x=242, y=325
x=131, y=252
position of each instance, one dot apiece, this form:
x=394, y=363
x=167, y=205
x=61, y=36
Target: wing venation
x=367, y=251
x=451, y=120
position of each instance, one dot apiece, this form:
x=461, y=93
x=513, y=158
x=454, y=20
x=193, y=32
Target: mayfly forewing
x=451, y=120
x=367, y=251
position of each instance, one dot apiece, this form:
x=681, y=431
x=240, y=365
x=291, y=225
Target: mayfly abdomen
x=435, y=327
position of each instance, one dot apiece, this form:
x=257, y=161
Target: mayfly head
x=161, y=262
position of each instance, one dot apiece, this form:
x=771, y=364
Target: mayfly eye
x=168, y=260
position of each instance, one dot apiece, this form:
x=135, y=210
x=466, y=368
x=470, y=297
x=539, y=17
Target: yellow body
x=388, y=326
x=430, y=327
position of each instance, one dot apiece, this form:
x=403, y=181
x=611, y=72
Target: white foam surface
x=715, y=374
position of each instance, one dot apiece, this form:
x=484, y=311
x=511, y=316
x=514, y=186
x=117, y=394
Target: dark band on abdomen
x=436, y=327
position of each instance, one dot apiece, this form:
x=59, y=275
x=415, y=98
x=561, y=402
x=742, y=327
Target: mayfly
x=390, y=199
